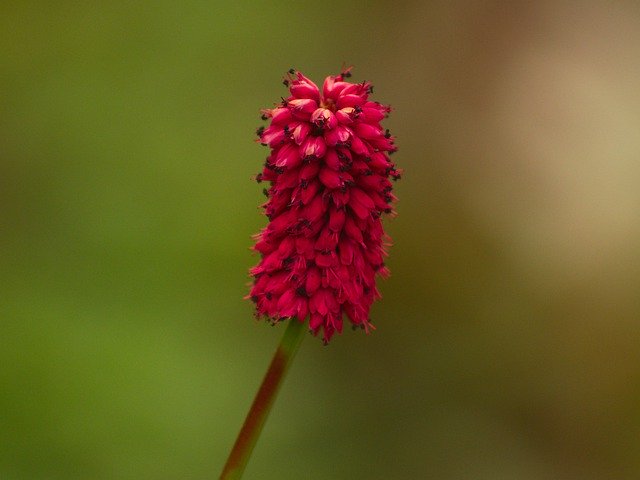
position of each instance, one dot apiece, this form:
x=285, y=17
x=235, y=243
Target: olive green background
x=508, y=340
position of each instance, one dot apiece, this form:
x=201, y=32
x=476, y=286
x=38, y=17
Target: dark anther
x=285, y=129
x=301, y=291
x=287, y=261
x=346, y=74
x=357, y=109
x=304, y=183
x=387, y=210
x=284, y=102
x=285, y=82
x=368, y=173
x=370, y=90
x=264, y=117
x=317, y=130
x=268, y=295
x=259, y=178
x=265, y=192
x=254, y=298
x=387, y=134
x=260, y=131
x=292, y=71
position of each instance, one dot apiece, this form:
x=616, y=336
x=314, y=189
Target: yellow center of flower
x=329, y=104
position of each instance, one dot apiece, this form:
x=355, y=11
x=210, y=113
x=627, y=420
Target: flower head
x=330, y=172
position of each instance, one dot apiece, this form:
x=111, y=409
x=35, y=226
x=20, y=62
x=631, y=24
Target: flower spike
x=330, y=171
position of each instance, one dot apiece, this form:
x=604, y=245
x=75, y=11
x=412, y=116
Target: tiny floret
x=329, y=172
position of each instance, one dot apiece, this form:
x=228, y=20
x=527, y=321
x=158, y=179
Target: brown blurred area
x=508, y=339
x=528, y=117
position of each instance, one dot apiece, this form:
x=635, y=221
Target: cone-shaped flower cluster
x=330, y=173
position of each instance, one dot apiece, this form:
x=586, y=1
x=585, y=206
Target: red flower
x=329, y=171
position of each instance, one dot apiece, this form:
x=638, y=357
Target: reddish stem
x=263, y=401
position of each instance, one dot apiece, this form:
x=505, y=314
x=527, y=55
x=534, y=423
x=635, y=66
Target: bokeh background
x=508, y=341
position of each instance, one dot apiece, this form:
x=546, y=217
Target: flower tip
x=345, y=72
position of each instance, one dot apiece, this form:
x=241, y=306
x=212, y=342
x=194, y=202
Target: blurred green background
x=508, y=341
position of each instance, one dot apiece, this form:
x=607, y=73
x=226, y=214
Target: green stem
x=263, y=402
